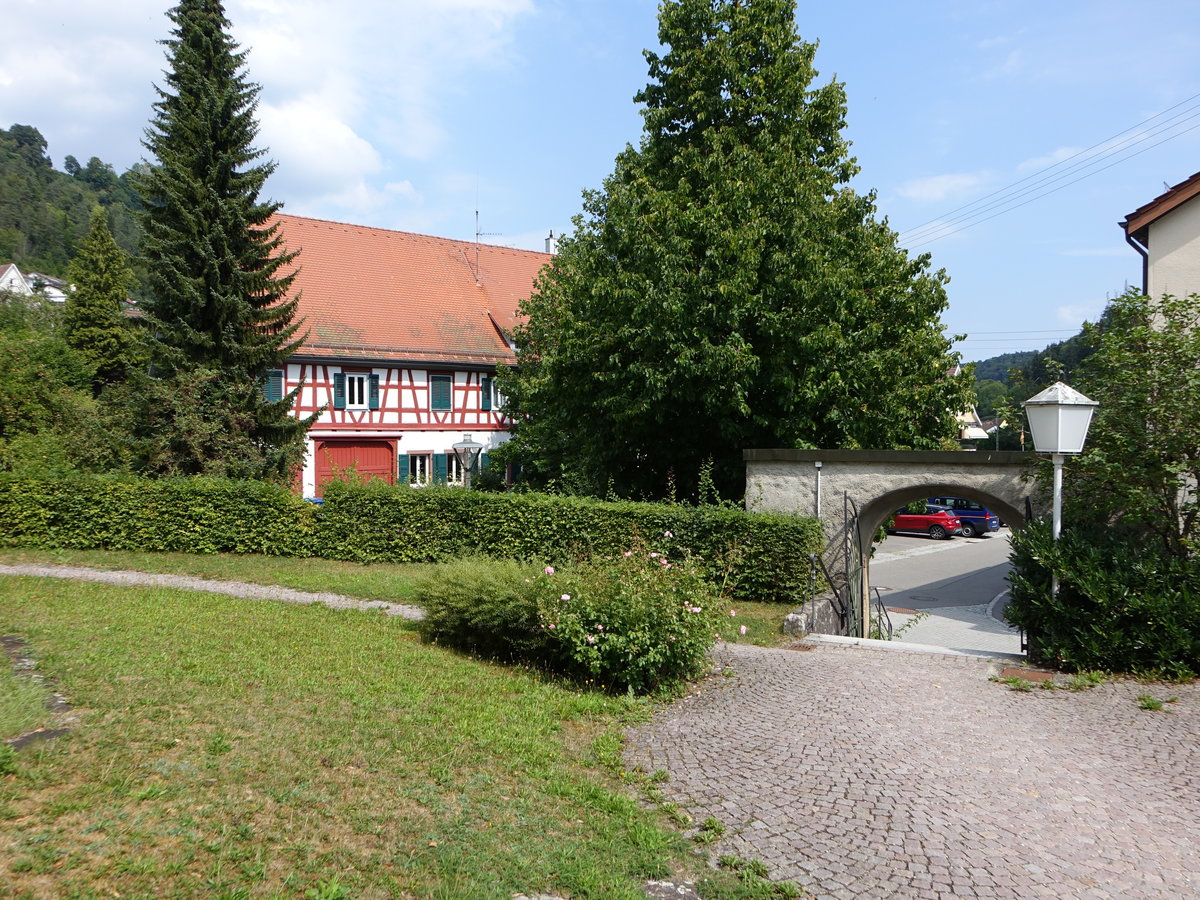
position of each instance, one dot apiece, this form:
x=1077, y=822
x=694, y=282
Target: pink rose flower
x=741, y=631
x=565, y=597
x=733, y=612
x=549, y=570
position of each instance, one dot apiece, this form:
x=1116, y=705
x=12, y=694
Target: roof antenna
x=478, y=235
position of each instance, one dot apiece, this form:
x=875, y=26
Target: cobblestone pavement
x=860, y=773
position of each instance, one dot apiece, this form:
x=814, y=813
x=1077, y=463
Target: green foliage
x=49, y=421
x=764, y=556
x=201, y=421
x=726, y=288
x=217, y=267
x=219, y=316
x=1122, y=605
x=44, y=214
x=752, y=556
x=488, y=607
x=94, y=323
x=997, y=368
x=1141, y=464
x=192, y=515
x=636, y=623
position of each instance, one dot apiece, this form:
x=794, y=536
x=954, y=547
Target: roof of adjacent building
x=1138, y=222
x=392, y=295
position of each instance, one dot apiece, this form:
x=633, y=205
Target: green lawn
x=233, y=748
x=22, y=703
x=377, y=581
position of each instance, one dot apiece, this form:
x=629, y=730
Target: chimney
x=551, y=243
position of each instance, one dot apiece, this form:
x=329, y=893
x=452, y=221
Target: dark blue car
x=976, y=519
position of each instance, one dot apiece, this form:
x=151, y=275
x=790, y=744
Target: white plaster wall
x=1174, y=262
x=410, y=442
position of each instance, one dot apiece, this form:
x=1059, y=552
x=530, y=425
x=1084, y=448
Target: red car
x=937, y=521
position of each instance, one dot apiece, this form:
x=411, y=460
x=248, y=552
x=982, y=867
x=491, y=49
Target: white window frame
x=358, y=390
x=423, y=469
x=454, y=471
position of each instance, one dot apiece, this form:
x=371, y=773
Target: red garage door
x=349, y=459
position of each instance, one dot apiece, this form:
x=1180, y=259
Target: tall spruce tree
x=93, y=321
x=219, y=276
x=726, y=289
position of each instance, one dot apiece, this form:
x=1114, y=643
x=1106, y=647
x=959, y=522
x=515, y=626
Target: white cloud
x=343, y=89
x=1053, y=158
x=940, y=188
x=1013, y=63
x=1075, y=315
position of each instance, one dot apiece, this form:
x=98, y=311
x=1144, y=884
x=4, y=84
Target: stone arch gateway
x=818, y=482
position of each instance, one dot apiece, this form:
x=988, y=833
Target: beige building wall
x=1174, y=260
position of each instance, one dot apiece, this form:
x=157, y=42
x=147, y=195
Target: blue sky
x=413, y=114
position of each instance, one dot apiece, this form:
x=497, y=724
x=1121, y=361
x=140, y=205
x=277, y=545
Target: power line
x=1005, y=199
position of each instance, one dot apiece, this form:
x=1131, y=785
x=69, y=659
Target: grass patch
x=22, y=702
x=229, y=747
x=379, y=581
x=1153, y=704
x=238, y=748
x=372, y=581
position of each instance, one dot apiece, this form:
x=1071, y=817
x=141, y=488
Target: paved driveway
x=858, y=772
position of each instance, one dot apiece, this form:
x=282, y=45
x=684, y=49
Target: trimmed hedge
x=196, y=515
x=1119, y=607
x=763, y=556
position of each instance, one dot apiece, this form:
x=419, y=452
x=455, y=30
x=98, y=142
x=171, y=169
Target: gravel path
x=232, y=588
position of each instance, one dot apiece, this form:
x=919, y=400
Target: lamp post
x=467, y=451
x=1059, y=418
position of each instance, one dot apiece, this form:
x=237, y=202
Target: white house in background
x=1166, y=232
x=405, y=333
x=53, y=289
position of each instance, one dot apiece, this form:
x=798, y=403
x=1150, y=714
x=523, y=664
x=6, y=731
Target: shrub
x=1121, y=606
x=639, y=622
x=484, y=606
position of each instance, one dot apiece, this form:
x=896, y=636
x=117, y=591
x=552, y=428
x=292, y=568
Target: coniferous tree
x=219, y=276
x=94, y=323
x=726, y=289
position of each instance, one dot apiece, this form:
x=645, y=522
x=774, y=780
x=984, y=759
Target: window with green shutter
x=440, y=391
x=273, y=386
x=439, y=468
x=373, y=392
x=339, y=390
x=485, y=393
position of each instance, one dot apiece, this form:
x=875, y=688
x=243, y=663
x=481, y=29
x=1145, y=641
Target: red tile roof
x=391, y=295
x=1137, y=222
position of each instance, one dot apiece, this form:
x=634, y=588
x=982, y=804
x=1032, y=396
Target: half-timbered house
x=405, y=333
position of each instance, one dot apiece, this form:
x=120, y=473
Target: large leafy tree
x=218, y=273
x=727, y=288
x=94, y=323
x=1140, y=468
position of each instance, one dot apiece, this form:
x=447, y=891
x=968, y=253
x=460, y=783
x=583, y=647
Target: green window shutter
x=485, y=393
x=439, y=468
x=482, y=463
x=440, y=392
x=373, y=392
x=273, y=388
x=339, y=390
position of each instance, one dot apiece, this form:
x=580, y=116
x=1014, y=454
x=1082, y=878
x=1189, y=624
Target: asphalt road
x=923, y=574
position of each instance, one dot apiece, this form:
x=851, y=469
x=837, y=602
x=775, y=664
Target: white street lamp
x=1059, y=418
x=467, y=450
